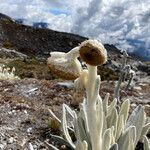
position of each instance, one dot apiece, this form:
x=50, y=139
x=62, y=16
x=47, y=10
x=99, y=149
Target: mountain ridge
x=39, y=42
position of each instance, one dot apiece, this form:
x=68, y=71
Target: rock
x=10, y=140
x=137, y=88
x=2, y=146
x=31, y=146
x=147, y=106
x=133, y=105
x=69, y=85
x=11, y=53
x=29, y=130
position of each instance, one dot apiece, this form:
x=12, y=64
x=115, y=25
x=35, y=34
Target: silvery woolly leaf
x=125, y=142
x=145, y=130
x=71, y=112
x=124, y=110
x=105, y=103
x=111, y=106
x=132, y=137
x=65, y=129
x=112, y=119
x=96, y=90
x=146, y=143
x=81, y=131
x=104, y=124
x=106, y=139
x=76, y=129
x=81, y=145
x=132, y=147
x=112, y=135
x=137, y=119
x=120, y=126
x=133, y=134
x=147, y=120
x=54, y=116
x=83, y=114
x=100, y=116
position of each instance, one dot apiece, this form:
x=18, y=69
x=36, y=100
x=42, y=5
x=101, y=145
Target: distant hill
x=37, y=40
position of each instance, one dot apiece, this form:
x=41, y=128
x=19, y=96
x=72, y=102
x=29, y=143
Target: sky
x=124, y=23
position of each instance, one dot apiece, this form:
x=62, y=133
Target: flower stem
x=91, y=108
x=92, y=75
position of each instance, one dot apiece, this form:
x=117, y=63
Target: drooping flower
x=65, y=65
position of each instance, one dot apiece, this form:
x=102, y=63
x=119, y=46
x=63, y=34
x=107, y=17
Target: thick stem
x=92, y=75
x=95, y=136
x=91, y=109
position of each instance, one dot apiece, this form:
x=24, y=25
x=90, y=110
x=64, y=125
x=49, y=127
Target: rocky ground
x=25, y=121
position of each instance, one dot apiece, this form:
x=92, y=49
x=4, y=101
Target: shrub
x=7, y=73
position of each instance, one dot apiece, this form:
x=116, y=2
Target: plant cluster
x=98, y=125
x=7, y=73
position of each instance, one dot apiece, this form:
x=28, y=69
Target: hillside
x=35, y=41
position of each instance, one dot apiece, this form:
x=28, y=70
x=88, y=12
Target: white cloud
x=38, y=11
x=125, y=23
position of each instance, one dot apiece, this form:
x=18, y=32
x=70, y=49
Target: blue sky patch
x=58, y=12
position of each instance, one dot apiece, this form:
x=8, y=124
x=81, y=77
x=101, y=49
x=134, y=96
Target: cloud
x=52, y=12
x=124, y=23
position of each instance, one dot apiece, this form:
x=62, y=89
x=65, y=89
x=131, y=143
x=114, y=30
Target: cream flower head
x=93, y=52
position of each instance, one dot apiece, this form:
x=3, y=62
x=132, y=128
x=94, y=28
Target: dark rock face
x=35, y=41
